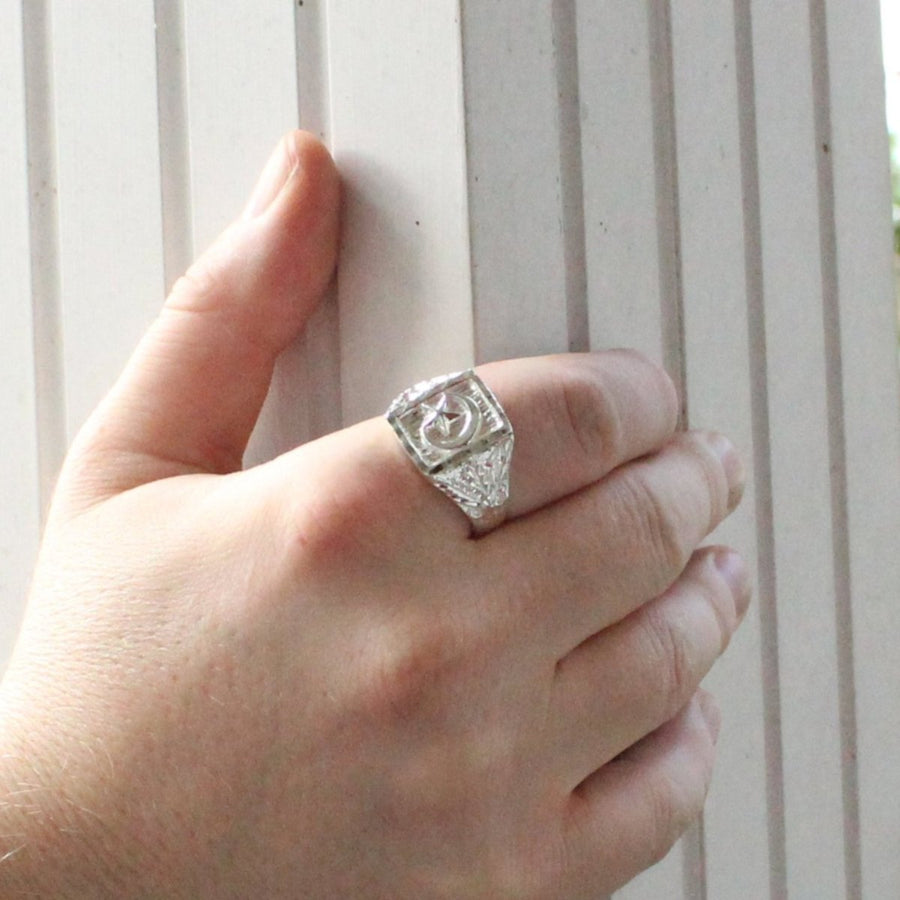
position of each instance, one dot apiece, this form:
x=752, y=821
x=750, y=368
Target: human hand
x=306, y=679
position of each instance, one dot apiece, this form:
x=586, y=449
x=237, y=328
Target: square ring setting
x=459, y=437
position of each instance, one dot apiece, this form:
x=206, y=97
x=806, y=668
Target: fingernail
x=733, y=466
x=276, y=174
x=711, y=713
x=733, y=569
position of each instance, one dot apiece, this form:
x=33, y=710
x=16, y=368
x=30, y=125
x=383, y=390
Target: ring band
x=455, y=431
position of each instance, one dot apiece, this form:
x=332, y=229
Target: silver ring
x=455, y=431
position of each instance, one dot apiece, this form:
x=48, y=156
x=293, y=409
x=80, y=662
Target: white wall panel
x=241, y=96
x=315, y=364
x=174, y=159
x=404, y=289
x=619, y=175
x=19, y=486
x=718, y=390
x=43, y=214
x=704, y=181
x=631, y=268
x=517, y=218
x=110, y=237
x=865, y=326
x=797, y=378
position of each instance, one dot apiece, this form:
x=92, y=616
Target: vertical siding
x=713, y=240
x=631, y=268
x=517, y=225
x=706, y=181
x=311, y=369
x=174, y=150
x=799, y=439
x=107, y=149
x=240, y=97
x=867, y=380
x=404, y=289
x=19, y=482
x=622, y=237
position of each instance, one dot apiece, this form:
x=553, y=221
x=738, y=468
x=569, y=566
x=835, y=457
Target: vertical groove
x=668, y=230
x=693, y=870
x=665, y=154
x=837, y=449
x=466, y=222
x=762, y=463
x=565, y=44
x=313, y=81
x=44, y=236
x=321, y=337
x=174, y=155
x=466, y=90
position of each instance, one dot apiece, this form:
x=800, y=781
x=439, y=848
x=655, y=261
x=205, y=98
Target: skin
x=308, y=679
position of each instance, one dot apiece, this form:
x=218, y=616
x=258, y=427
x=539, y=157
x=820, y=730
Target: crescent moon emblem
x=450, y=421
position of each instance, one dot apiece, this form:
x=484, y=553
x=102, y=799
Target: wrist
x=53, y=841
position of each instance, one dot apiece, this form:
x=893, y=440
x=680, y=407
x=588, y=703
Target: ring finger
x=576, y=418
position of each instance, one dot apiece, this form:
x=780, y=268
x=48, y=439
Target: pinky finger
x=628, y=815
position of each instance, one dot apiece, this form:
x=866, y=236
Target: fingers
x=588, y=412
x=637, y=674
x=577, y=417
x=191, y=393
x=587, y=561
x=630, y=813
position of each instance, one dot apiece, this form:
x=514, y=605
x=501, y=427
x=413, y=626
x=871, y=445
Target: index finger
x=577, y=417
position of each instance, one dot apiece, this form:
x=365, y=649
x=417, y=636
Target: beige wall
x=704, y=180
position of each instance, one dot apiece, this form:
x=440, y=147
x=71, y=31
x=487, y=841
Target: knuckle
x=663, y=383
x=324, y=537
x=662, y=831
x=673, y=801
x=711, y=474
x=327, y=536
x=668, y=816
x=409, y=666
x=589, y=412
x=674, y=795
x=719, y=598
x=345, y=527
x=198, y=289
x=671, y=659
x=659, y=526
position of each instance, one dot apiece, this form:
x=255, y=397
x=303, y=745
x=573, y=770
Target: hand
x=306, y=679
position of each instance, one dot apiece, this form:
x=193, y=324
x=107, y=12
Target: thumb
x=191, y=393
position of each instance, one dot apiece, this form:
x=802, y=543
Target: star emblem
x=441, y=416
x=449, y=421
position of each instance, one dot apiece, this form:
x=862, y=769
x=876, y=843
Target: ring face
x=456, y=432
